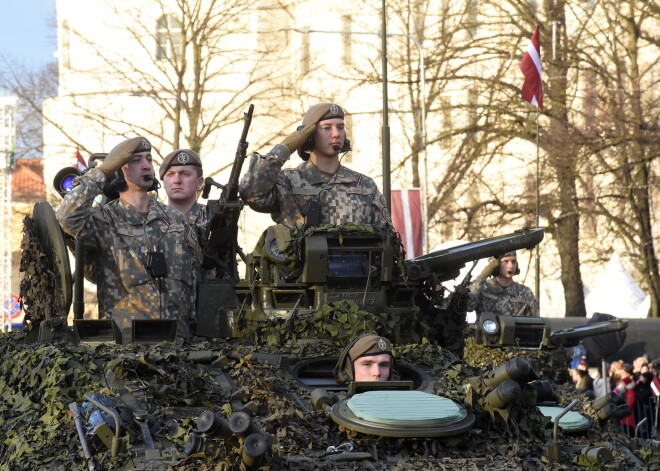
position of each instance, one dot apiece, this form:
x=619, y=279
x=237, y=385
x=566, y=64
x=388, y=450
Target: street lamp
x=386, y=160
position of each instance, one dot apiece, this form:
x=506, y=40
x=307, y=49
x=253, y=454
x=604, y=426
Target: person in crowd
x=320, y=190
x=495, y=290
x=626, y=387
x=583, y=382
x=644, y=407
x=367, y=358
x=144, y=253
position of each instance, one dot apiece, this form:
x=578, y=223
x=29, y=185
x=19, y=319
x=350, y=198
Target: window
x=168, y=37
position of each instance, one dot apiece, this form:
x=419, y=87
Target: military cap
x=321, y=112
x=130, y=146
x=122, y=152
x=180, y=157
x=369, y=345
x=365, y=345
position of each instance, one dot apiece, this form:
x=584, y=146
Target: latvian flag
x=407, y=220
x=532, y=90
x=79, y=162
x=655, y=385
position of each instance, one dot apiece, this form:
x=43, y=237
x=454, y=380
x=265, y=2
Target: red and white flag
x=532, y=90
x=407, y=219
x=79, y=162
x=655, y=385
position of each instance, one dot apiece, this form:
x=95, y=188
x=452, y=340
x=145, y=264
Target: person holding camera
x=320, y=190
x=145, y=255
x=494, y=290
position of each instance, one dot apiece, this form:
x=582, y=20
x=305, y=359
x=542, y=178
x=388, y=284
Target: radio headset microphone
x=208, y=182
x=336, y=148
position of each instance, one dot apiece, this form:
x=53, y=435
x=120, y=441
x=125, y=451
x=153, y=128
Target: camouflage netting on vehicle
x=336, y=323
x=37, y=289
x=549, y=363
x=173, y=385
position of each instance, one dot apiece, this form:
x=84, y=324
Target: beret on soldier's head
x=369, y=345
x=130, y=146
x=506, y=254
x=365, y=345
x=180, y=157
x=322, y=111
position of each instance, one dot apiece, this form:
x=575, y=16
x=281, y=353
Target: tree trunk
x=562, y=159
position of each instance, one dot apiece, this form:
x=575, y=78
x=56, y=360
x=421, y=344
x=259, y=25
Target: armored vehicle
x=256, y=388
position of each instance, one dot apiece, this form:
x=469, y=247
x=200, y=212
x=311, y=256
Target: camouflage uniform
x=117, y=238
x=198, y=218
x=487, y=295
x=346, y=197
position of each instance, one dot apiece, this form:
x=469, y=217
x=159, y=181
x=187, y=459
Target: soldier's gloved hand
x=492, y=264
x=296, y=138
x=119, y=156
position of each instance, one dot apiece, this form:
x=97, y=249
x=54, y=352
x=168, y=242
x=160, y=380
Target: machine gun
x=221, y=245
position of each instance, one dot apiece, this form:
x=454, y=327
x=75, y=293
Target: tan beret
x=130, y=147
x=365, y=345
x=178, y=158
x=322, y=111
x=369, y=345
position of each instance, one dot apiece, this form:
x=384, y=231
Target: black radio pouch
x=312, y=212
x=156, y=264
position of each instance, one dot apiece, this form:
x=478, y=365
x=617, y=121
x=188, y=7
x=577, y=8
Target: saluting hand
x=119, y=156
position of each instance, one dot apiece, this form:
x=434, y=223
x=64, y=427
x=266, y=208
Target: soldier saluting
x=144, y=253
x=320, y=190
x=495, y=291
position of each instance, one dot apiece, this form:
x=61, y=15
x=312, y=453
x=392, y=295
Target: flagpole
x=537, y=285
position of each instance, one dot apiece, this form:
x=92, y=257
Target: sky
x=28, y=31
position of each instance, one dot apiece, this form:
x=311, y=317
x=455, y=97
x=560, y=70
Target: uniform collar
x=316, y=176
x=134, y=218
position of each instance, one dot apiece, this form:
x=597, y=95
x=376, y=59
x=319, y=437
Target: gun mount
x=294, y=274
x=443, y=265
x=493, y=330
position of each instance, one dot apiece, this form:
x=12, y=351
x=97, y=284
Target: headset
x=308, y=145
x=117, y=183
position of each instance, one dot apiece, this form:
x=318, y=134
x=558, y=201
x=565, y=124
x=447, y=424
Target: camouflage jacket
x=117, y=239
x=346, y=197
x=198, y=217
x=487, y=295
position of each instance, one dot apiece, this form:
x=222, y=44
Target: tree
x=178, y=72
x=31, y=87
x=622, y=129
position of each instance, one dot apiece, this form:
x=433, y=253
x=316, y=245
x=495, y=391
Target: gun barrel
x=232, y=186
x=446, y=263
x=572, y=335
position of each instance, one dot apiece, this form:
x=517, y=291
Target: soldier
x=320, y=190
x=183, y=178
x=495, y=291
x=144, y=253
x=367, y=358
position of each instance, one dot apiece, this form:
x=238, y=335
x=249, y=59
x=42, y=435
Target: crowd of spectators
x=637, y=382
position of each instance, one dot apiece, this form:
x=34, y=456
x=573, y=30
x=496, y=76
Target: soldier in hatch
x=183, y=177
x=495, y=291
x=145, y=255
x=320, y=190
x=367, y=358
